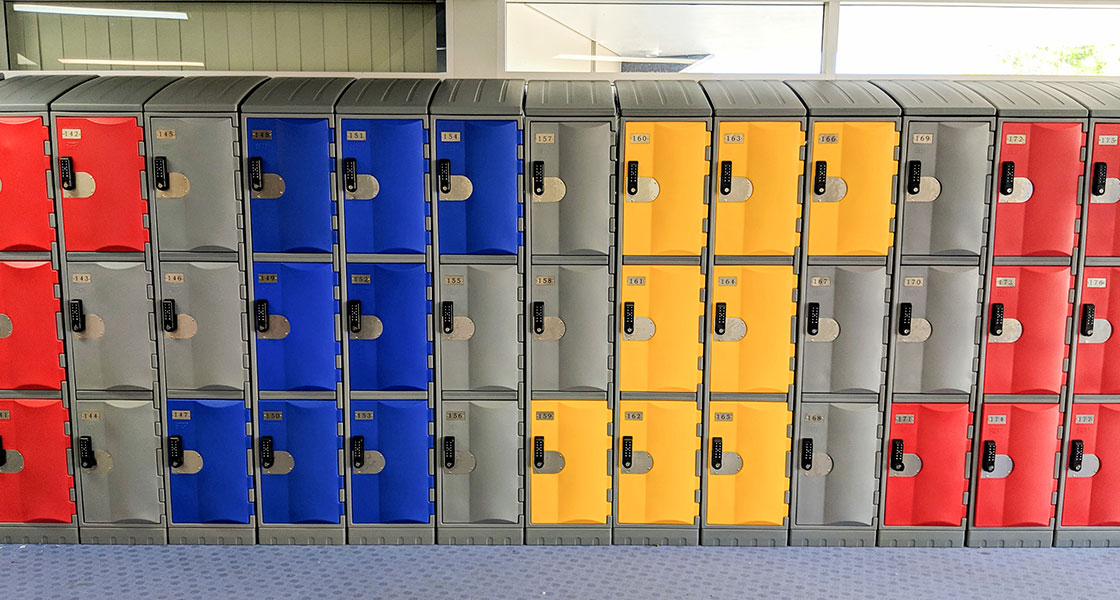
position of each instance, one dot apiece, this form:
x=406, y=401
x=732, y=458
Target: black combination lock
x=1088, y=319
x=627, y=451
x=725, y=177
x=443, y=170
x=170, y=317
x=260, y=315
x=632, y=178
x=717, y=453
x=996, y=326
x=813, y=319
x=354, y=315
x=268, y=453
x=1076, y=455
x=447, y=314
x=1007, y=178
x=807, y=454
x=897, y=454
x=913, y=177
x=358, y=451
x=905, y=318
x=256, y=174
x=449, y=452
x=161, y=174
x=86, y=456
x=175, y=451
x=1100, y=178
x=538, y=318
x=820, y=177
x=66, y=176
x=538, y=452
x=77, y=316
x=628, y=318
x=350, y=174
x=721, y=318
x=988, y=459
x=538, y=177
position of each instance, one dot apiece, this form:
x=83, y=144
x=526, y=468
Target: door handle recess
x=170, y=317
x=1007, y=178
x=1100, y=178
x=449, y=452
x=627, y=451
x=628, y=318
x=260, y=313
x=717, y=453
x=813, y=321
x=996, y=326
x=358, y=451
x=256, y=173
x=725, y=177
x=354, y=315
x=1076, y=455
x=444, y=171
x=160, y=173
x=914, y=177
x=77, y=316
x=175, y=451
x=632, y=177
x=988, y=459
x=66, y=176
x=85, y=452
x=806, y=454
x=538, y=318
x=350, y=174
x=896, y=455
x=905, y=318
x=447, y=312
x=1088, y=319
x=538, y=452
x=721, y=318
x=820, y=177
x=538, y=177
x=268, y=452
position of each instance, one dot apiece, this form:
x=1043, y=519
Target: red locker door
x=34, y=481
x=1102, y=228
x=1018, y=449
x=926, y=464
x=1093, y=480
x=1097, y=353
x=29, y=344
x=1026, y=352
x=24, y=199
x=1037, y=218
x=104, y=212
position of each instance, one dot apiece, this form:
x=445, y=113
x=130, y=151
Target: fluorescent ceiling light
x=93, y=11
x=621, y=59
x=112, y=62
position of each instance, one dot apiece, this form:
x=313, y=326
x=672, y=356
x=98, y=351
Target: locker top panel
x=387, y=97
x=753, y=99
x=296, y=95
x=570, y=99
x=114, y=93
x=1029, y=99
x=34, y=93
x=662, y=99
x=1102, y=98
x=920, y=98
x=844, y=99
x=204, y=94
x=479, y=97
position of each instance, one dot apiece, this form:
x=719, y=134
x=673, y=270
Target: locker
x=748, y=463
x=845, y=316
x=208, y=448
x=298, y=453
x=935, y=325
x=1096, y=348
x=201, y=319
x=836, y=457
x=1091, y=479
x=29, y=336
x=1027, y=345
x=1102, y=227
x=118, y=462
x=35, y=478
x=658, y=462
x=387, y=323
x=570, y=328
x=478, y=323
x=390, y=461
x=752, y=329
x=570, y=477
x=661, y=314
x=294, y=318
x=108, y=315
x=480, y=457
x=25, y=195
x=927, y=465
x=1017, y=460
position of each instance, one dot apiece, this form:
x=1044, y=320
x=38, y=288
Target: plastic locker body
x=1019, y=489
x=752, y=329
x=839, y=487
x=124, y=483
x=298, y=349
x=394, y=482
x=659, y=486
x=35, y=478
x=390, y=349
x=25, y=197
x=204, y=339
x=1102, y=227
x=483, y=482
x=663, y=349
x=936, y=342
x=571, y=334
x=571, y=482
x=845, y=355
x=1027, y=354
x=29, y=337
x=751, y=482
x=929, y=488
x=478, y=322
x=212, y=484
x=1098, y=352
x=1091, y=489
x=303, y=484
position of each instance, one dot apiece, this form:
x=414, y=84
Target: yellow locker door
x=657, y=481
x=660, y=345
x=855, y=162
x=758, y=213
x=750, y=484
x=663, y=210
x=569, y=480
x=752, y=329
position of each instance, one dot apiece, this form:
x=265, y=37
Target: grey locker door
x=481, y=351
x=946, y=216
x=484, y=484
x=840, y=487
x=572, y=214
x=199, y=211
x=116, y=347
x=124, y=484
x=937, y=356
x=570, y=353
x=206, y=349
x=846, y=354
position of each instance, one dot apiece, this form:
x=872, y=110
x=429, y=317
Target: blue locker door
x=295, y=327
x=485, y=153
x=400, y=492
x=386, y=207
x=389, y=351
x=212, y=483
x=303, y=483
x=292, y=212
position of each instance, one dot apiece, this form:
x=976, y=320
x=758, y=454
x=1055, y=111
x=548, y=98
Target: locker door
x=480, y=456
x=1098, y=352
x=391, y=480
x=29, y=344
x=300, y=478
x=852, y=184
x=387, y=324
x=108, y=316
x=35, y=479
x=118, y=449
x=758, y=200
x=478, y=185
x=195, y=184
x=1019, y=446
x=927, y=465
x=573, y=194
x=571, y=329
x=659, y=460
x=935, y=328
x=665, y=203
x=752, y=329
x=659, y=347
x=570, y=479
x=101, y=182
x=479, y=316
x=294, y=317
x=25, y=198
x=837, y=464
x=1038, y=180
x=291, y=202
x=844, y=344
x=386, y=198
x=201, y=319
x=1092, y=479
x=945, y=188
x=1027, y=350
x=1102, y=228
x=208, y=448
x=748, y=482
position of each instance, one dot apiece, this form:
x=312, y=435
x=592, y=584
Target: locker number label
x=1108, y=140
x=456, y=415
x=1017, y=139
x=450, y=136
x=906, y=419
x=262, y=134
x=174, y=278
x=363, y=415
x=545, y=138
x=359, y=279
x=165, y=134
x=90, y=415
x=828, y=138
x=922, y=138
x=546, y=280
x=723, y=416
x=913, y=281
x=1005, y=282
x=81, y=278
x=997, y=419
x=454, y=280
x=272, y=415
x=820, y=281
x=640, y=138
x=632, y=415
x=1084, y=419
x=268, y=278
x=733, y=138
x=181, y=415
x=1096, y=282
x=5, y=415
x=355, y=136
x=641, y=280
x=545, y=415
x=71, y=134
x=814, y=418
x=727, y=281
